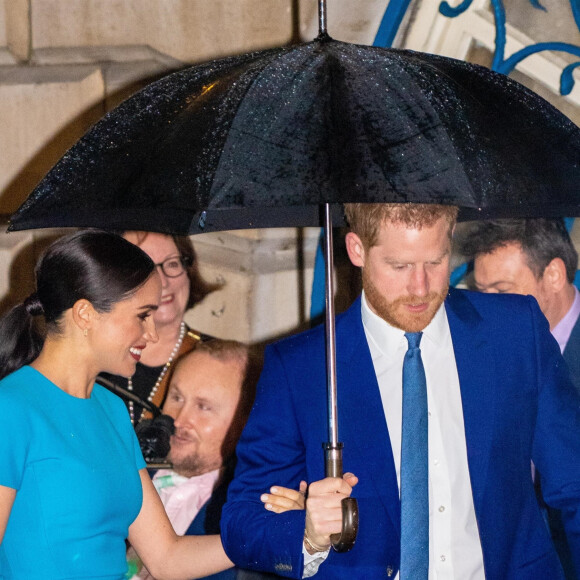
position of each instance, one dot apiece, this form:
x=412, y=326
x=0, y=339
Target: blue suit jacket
x=518, y=404
x=572, y=355
x=554, y=517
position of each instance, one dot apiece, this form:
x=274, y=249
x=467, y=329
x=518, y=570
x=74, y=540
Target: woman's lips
x=167, y=299
x=135, y=352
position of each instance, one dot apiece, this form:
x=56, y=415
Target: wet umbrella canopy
x=261, y=140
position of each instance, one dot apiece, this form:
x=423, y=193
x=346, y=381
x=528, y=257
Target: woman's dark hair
x=198, y=287
x=94, y=265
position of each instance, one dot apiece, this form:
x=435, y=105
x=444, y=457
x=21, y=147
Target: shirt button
x=442, y=557
x=436, y=462
x=442, y=508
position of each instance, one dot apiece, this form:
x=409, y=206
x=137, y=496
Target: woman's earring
x=85, y=332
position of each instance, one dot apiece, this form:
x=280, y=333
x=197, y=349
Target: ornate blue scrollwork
x=396, y=10
x=507, y=65
x=453, y=11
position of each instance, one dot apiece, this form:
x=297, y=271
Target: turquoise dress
x=74, y=464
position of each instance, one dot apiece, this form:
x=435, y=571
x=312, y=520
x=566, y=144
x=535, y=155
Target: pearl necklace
x=163, y=372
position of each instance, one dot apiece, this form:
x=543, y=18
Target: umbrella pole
x=321, y=17
x=333, y=448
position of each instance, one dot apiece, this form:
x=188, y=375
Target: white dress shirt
x=454, y=544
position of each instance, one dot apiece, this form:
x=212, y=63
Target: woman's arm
x=7, y=495
x=166, y=555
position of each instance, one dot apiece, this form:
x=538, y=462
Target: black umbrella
x=264, y=139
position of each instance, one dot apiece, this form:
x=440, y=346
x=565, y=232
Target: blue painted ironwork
x=318, y=297
x=453, y=11
x=391, y=22
x=507, y=65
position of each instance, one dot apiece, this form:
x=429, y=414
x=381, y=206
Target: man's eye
x=145, y=315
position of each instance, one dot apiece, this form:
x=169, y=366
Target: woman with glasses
x=182, y=288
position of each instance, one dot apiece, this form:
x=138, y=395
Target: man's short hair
x=541, y=240
x=366, y=219
x=250, y=363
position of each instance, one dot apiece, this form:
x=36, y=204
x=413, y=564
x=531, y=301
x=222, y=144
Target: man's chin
x=415, y=325
x=400, y=317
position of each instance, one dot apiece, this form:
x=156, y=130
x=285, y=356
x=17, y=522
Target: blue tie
x=414, y=466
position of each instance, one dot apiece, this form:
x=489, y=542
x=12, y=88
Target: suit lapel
x=361, y=418
x=474, y=357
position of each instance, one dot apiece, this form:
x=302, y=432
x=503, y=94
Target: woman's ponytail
x=20, y=339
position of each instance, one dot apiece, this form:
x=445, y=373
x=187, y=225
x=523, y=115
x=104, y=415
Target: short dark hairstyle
x=98, y=266
x=541, y=240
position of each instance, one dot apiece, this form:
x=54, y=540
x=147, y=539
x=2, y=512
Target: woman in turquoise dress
x=73, y=483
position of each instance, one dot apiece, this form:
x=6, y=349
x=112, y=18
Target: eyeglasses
x=173, y=266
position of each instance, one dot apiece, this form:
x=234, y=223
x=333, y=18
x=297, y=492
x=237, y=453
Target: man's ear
x=83, y=314
x=555, y=275
x=355, y=249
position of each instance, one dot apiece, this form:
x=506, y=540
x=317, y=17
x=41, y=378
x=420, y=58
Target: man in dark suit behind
x=535, y=257
x=497, y=396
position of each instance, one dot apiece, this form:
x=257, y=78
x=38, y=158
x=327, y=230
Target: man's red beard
x=395, y=313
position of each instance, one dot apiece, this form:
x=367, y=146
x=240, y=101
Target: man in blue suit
x=535, y=257
x=498, y=395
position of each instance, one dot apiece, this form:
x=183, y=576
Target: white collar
x=389, y=339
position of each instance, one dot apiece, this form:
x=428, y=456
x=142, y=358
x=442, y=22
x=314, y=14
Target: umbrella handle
x=345, y=540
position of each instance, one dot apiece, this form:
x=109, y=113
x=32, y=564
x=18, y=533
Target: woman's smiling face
x=174, y=291
x=119, y=336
